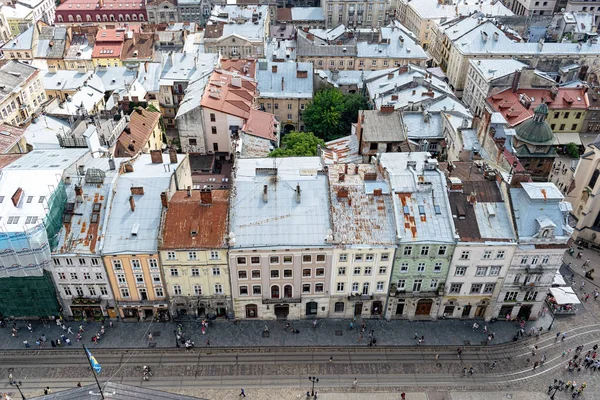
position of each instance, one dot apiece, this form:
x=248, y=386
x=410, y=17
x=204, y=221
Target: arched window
x=339, y=307
x=78, y=18
x=70, y=18
x=104, y=17
x=141, y=17
x=134, y=17
x=60, y=19
x=127, y=17
x=120, y=16
x=98, y=18
x=365, y=288
x=88, y=18
x=111, y=17
x=274, y=292
x=288, y=292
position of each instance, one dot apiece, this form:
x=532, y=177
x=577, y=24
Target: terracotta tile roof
x=188, y=215
x=136, y=135
x=284, y=14
x=242, y=67
x=7, y=159
x=9, y=136
x=507, y=103
x=71, y=5
x=261, y=124
x=143, y=43
x=221, y=95
x=213, y=31
x=107, y=50
x=566, y=98
x=110, y=35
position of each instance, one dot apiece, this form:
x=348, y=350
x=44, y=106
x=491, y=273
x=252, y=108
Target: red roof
x=221, y=95
x=242, y=67
x=82, y=5
x=566, y=98
x=107, y=50
x=111, y=35
x=261, y=124
x=507, y=103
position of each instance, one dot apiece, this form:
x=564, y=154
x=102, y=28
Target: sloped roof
x=261, y=124
x=186, y=214
x=9, y=136
x=222, y=96
x=141, y=125
x=143, y=43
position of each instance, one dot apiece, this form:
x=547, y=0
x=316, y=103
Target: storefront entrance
x=480, y=311
x=81, y=313
x=466, y=312
x=376, y=308
x=251, y=311
x=281, y=311
x=504, y=311
x=424, y=307
x=358, y=309
x=524, y=312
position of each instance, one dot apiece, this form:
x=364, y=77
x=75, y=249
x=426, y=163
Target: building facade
x=280, y=253
x=193, y=253
x=357, y=14
x=86, y=11
x=21, y=93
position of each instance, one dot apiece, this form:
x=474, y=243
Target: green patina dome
x=536, y=130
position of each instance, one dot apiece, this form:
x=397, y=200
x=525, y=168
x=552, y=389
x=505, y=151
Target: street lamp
x=18, y=385
x=314, y=380
x=555, y=387
x=553, y=318
x=176, y=339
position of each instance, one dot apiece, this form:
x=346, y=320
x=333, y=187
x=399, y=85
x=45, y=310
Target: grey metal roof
x=307, y=14
x=407, y=48
x=494, y=69
x=281, y=50
x=361, y=218
x=417, y=127
x=154, y=178
x=248, y=30
x=80, y=49
x=320, y=48
x=284, y=83
x=432, y=9
x=149, y=75
x=281, y=220
x=12, y=75
x=114, y=78
x=64, y=79
x=51, y=42
x=22, y=42
x=420, y=197
x=329, y=34
x=536, y=203
x=382, y=126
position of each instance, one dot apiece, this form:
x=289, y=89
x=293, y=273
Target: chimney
x=346, y=165
x=341, y=177
x=377, y=192
x=342, y=193
x=265, y=193
x=356, y=169
x=205, y=196
x=156, y=156
x=391, y=75
x=146, y=66
x=17, y=197
x=496, y=36
x=111, y=164
x=173, y=156
x=189, y=191
x=78, y=191
x=298, y=191
x=132, y=203
x=139, y=110
x=138, y=190
x=282, y=83
x=484, y=36
x=164, y=200
x=388, y=108
x=273, y=68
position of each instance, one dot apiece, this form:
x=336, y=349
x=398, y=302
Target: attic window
x=95, y=218
x=421, y=210
x=194, y=232
x=406, y=210
x=135, y=229
x=438, y=210
x=96, y=207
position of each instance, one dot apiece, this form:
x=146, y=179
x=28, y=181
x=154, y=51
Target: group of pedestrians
x=588, y=361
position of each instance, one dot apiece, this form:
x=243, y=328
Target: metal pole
x=553, y=318
x=18, y=385
x=93, y=372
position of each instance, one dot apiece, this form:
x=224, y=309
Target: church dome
x=536, y=130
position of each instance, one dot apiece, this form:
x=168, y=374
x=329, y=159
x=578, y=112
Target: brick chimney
x=388, y=108
x=206, y=196
x=173, y=156
x=138, y=190
x=273, y=68
x=156, y=156
x=132, y=203
x=164, y=200
x=17, y=197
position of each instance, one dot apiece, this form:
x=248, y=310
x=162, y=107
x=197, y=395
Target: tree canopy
x=331, y=113
x=298, y=144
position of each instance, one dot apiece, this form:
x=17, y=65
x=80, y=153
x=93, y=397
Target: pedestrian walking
x=330, y=359
x=533, y=350
x=315, y=324
x=78, y=384
x=564, y=336
x=150, y=337
x=47, y=390
x=485, y=329
x=465, y=371
x=535, y=365
x=416, y=336
x=70, y=331
x=587, y=297
x=29, y=327
x=557, y=336
x=586, y=264
x=471, y=371
x=110, y=324
x=475, y=326
x=355, y=384
x=360, y=337
x=351, y=325
x=493, y=366
x=459, y=351
x=81, y=329
x=78, y=337
x=579, y=254
x=207, y=342
x=596, y=293
x=582, y=285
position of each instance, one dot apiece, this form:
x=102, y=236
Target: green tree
x=572, y=150
x=298, y=144
x=331, y=113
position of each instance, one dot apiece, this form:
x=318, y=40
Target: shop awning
x=562, y=138
x=558, y=280
x=564, y=295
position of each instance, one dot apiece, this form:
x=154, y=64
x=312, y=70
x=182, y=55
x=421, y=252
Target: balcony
x=536, y=270
x=287, y=300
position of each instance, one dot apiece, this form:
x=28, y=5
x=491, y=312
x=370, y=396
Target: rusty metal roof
x=190, y=224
